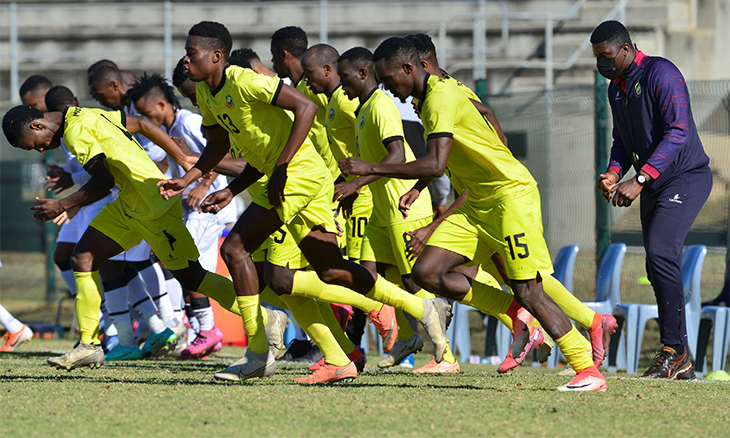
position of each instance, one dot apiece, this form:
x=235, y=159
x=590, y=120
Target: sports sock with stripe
x=307, y=284
x=11, y=324
x=88, y=301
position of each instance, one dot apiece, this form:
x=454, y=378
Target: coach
x=653, y=131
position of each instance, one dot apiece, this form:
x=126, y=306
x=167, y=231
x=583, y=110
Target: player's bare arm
x=396, y=155
x=215, y=202
x=217, y=148
x=432, y=165
x=99, y=185
x=144, y=126
x=304, y=112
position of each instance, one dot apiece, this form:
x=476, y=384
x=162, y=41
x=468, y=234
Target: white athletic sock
x=117, y=304
x=68, y=278
x=11, y=324
x=154, y=282
x=142, y=303
x=109, y=329
x=205, y=318
x=175, y=292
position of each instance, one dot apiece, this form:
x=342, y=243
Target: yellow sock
x=221, y=290
x=448, y=355
x=269, y=296
x=88, y=302
x=329, y=319
x=390, y=294
x=572, y=306
x=576, y=349
x=405, y=331
x=424, y=294
x=309, y=318
x=307, y=284
x=488, y=297
x=253, y=323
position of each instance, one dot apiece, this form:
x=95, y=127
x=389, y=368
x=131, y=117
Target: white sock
x=142, y=303
x=11, y=324
x=109, y=329
x=205, y=318
x=117, y=304
x=154, y=282
x=68, y=278
x=175, y=292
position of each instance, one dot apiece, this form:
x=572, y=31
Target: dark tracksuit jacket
x=654, y=131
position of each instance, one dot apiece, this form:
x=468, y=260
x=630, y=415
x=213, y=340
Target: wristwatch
x=641, y=179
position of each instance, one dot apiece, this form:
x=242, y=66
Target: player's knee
x=82, y=262
x=332, y=276
x=280, y=280
x=426, y=277
x=231, y=251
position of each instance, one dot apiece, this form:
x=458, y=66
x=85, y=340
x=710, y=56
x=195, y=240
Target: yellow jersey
x=89, y=132
x=244, y=105
x=480, y=161
x=378, y=123
x=318, y=133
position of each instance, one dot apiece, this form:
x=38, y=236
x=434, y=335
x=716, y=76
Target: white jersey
x=155, y=152
x=187, y=125
x=73, y=167
x=407, y=113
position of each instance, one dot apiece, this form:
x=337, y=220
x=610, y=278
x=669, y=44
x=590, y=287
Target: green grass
x=166, y=398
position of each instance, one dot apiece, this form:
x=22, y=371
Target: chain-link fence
x=553, y=135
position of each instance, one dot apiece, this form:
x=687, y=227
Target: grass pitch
x=176, y=398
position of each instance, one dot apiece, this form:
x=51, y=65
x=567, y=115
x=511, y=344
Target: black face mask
x=607, y=67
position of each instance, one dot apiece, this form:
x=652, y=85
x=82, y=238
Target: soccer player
x=501, y=211
x=16, y=333
x=379, y=139
x=252, y=109
x=654, y=132
x=103, y=143
x=33, y=91
x=598, y=326
x=155, y=99
x=288, y=44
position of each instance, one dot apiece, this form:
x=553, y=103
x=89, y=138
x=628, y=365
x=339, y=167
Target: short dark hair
x=245, y=53
x=424, y=46
x=360, y=57
x=153, y=83
x=15, y=122
x=105, y=73
x=58, y=98
x=397, y=49
x=324, y=54
x=178, y=75
x=612, y=32
x=239, y=61
x=293, y=39
x=101, y=63
x=35, y=83
x=216, y=35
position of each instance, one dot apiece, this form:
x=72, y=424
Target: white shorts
x=206, y=235
x=72, y=231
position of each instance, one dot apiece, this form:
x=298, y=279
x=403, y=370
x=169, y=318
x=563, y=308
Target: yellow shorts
x=167, y=235
x=512, y=228
x=388, y=244
x=282, y=250
x=355, y=225
x=307, y=196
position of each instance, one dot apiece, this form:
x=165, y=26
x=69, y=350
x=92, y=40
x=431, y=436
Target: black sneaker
x=670, y=365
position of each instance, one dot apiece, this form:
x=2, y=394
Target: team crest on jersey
x=362, y=121
x=331, y=114
x=229, y=101
x=637, y=89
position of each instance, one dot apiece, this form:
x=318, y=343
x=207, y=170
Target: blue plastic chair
x=608, y=290
x=637, y=315
x=717, y=319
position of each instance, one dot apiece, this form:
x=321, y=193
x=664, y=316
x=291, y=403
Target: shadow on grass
x=27, y=355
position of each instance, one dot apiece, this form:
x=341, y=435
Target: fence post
x=167, y=13
x=601, y=136
x=479, y=38
x=323, y=21
x=14, y=64
x=50, y=231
